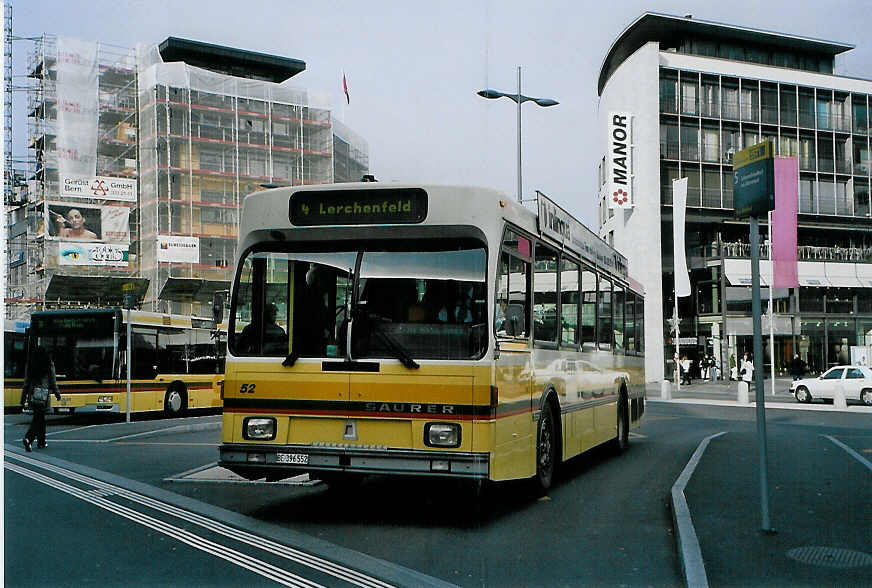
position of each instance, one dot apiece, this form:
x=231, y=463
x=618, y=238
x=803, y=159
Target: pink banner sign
x=784, y=223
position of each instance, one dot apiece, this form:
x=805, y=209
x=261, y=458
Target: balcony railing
x=804, y=252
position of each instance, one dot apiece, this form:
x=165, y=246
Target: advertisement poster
x=178, y=249
x=78, y=222
x=81, y=254
x=115, y=222
x=86, y=222
x=99, y=187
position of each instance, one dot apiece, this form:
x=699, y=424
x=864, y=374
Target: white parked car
x=855, y=381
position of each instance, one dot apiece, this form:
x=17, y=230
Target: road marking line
x=689, y=552
x=851, y=452
x=286, y=552
x=257, y=566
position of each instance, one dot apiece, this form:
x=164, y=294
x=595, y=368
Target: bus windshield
x=82, y=345
x=424, y=300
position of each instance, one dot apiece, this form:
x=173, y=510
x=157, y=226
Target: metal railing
x=804, y=252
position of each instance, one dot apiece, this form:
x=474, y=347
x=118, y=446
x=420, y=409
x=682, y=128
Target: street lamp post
x=519, y=99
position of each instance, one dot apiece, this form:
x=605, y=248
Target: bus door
x=288, y=310
x=515, y=450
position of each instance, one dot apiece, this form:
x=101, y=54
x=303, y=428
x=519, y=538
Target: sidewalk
x=726, y=393
x=818, y=495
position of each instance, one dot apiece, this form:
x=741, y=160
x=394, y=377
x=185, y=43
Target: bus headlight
x=442, y=435
x=262, y=429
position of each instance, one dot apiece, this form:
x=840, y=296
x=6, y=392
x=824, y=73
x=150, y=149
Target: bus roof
x=326, y=207
x=137, y=317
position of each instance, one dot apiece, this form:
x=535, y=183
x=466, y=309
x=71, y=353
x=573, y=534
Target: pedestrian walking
x=39, y=385
x=734, y=372
x=746, y=372
x=797, y=367
x=685, y=370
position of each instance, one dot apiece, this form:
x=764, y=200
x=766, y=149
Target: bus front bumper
x=281, y=461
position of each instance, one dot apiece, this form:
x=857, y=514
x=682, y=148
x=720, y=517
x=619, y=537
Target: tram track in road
x=105, y=495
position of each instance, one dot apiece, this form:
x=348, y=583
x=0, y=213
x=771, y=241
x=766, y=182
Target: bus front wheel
x=175, y=401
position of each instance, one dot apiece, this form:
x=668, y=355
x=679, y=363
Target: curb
x=687, y=543
x=852, y=408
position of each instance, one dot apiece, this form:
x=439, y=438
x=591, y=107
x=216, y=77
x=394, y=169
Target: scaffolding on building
x=208, y=139
x=194, y=141
x=8, y=172
x=40, y=256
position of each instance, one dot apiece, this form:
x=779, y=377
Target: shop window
x=840, y=300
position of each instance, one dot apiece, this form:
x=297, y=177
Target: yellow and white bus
x=177, y=361
x=14, y=358
x=425, y=330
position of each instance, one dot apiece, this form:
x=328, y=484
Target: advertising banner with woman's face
x=83, y=222
x=77, y=222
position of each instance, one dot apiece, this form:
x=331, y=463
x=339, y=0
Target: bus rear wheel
x=175, y=401
x=622, y=439
x=546, y=446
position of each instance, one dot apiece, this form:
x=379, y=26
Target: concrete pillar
x=666, y=390
x=839, y=398
x=743, y=393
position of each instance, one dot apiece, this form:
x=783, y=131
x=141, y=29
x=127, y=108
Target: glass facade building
x=189, y=129
x=721, y=89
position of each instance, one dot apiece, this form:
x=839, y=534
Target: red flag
x=345, y=89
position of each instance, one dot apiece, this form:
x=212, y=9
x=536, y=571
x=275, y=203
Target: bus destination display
x=358, y=207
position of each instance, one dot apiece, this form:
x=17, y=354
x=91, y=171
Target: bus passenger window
x=516, y=277
x=545, y=294
x=630, y=323
x=618, y=321
x=588, y=309
x=604, y=314
x=640, y=324
x=568, y=302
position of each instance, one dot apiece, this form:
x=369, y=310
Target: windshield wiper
x=393, y=346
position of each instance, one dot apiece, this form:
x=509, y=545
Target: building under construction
x=157, y=166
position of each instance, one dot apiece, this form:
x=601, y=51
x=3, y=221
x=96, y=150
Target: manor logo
x=620, y=159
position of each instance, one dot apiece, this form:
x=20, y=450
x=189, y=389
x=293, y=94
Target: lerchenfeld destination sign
x=754, y=181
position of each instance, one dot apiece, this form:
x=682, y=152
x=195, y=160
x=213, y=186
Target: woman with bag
x=39, y=384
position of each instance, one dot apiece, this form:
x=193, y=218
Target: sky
x=413, y=69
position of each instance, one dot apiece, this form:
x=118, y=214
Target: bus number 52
x=246, y=389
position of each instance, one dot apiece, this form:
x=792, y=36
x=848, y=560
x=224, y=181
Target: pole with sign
x=753, y=196
x=129, y=297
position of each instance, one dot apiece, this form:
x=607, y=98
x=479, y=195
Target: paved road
x=606, y=521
